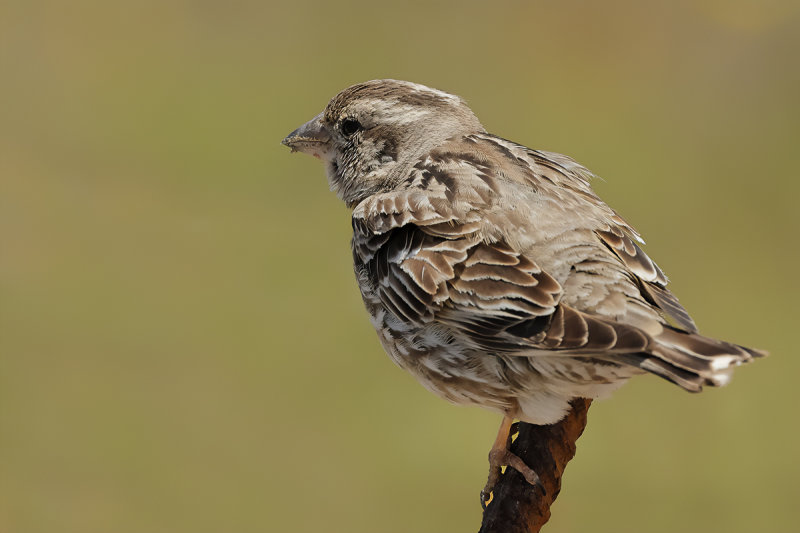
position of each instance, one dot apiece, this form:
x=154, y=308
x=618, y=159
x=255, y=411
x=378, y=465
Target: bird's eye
x=350, y=126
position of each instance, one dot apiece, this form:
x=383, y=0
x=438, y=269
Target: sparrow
x=492, y=272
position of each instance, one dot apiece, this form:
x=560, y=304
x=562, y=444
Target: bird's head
x=371, y=134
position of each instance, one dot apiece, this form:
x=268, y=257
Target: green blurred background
x=183, y=348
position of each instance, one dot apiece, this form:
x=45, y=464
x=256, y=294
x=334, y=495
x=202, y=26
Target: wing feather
x=435, y=259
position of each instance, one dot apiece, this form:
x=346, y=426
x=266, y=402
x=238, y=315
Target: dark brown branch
x=517, y=506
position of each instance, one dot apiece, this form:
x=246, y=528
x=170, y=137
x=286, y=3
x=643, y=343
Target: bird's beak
x=311, y=138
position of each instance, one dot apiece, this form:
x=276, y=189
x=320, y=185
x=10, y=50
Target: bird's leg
x=500, y=455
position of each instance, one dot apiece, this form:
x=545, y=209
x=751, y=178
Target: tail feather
x=683, y=378
x=691, y=360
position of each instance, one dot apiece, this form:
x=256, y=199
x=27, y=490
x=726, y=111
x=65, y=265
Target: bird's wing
x=429, y=262
x=569, y=182
x=433, y=254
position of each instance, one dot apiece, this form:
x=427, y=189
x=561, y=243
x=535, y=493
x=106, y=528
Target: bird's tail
x=691, y=360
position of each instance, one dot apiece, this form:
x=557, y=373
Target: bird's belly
x=535, y=387
x=442, y=364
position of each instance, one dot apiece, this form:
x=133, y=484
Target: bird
x=492, y=272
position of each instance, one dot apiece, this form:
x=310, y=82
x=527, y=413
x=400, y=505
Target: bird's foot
x=499, y=459
x=500, y=456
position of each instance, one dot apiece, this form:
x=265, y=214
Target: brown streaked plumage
x=492, y=272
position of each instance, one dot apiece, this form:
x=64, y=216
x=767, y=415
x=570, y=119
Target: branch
x=517, y=506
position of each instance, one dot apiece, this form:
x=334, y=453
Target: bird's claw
x=499, y=458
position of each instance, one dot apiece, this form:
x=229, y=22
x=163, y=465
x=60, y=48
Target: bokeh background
x=182, y=345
